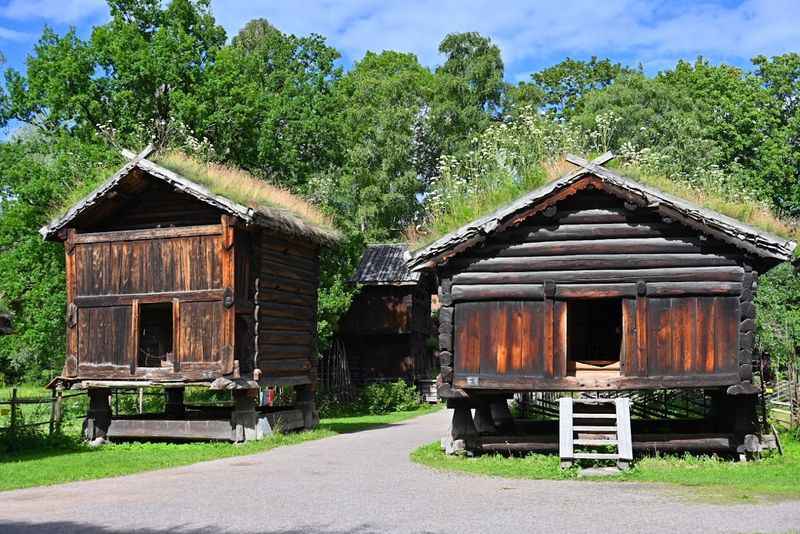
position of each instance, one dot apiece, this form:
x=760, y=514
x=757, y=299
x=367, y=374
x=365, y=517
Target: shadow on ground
x=69, y=527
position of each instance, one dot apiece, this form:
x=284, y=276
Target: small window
x=594, y=335
x=155, y=335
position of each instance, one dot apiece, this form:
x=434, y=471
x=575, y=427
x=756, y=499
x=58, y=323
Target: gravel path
x=364, y=482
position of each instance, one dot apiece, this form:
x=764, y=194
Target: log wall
x=684, y=298
x=288, y=279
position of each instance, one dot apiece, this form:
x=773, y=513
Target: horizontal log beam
x=539, y=383
x=498, y=292
x=592, y=262
x=150, y=233
x=670, y=289
x=99, y=301
x=651, y=245
x=268, y=365
x=696, y=274
x=566, y=291
x=596, y=216
x=590, y=231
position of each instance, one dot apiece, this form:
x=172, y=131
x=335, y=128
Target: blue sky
x=531, y=34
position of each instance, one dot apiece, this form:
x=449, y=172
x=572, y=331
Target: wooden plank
x=595, y=442
x=565, y=429
x=585, y=291
x=164, y=428
x=594, y=415
x=594, y=216
x=629, y=356
x=150, y=233
x=100, y=301
x=549, y=354
x=497, y=292
x=595, y=456
x=531, y=383
x=592, y=262
x=623, y=413
x=560, y=337
x=669, y=289
x=698, y=274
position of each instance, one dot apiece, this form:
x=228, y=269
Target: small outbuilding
x=181, y=273
x=598, y=283
x=386, y=330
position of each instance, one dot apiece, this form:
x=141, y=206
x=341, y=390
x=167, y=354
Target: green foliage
x=374, y=191
x=274, y=91
x=563, y=85
x=778, y=319
x=38, y=172
x=373, y=399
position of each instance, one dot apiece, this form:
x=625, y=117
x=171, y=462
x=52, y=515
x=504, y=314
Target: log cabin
x=172, y=282
x=386, y=329
x=598, y=283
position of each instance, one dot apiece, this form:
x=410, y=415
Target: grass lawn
x=68, y=459
x=709, y=478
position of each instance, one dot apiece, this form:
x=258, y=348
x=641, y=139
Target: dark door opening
x=155, y=335
x=594, y=335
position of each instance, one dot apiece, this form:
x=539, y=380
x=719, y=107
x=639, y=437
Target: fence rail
x=56, y=402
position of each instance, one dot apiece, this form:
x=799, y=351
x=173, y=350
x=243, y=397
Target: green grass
x=68, y=459
x=710, y=478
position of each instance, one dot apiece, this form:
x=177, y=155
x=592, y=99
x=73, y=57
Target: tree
x=266, y=104
x=382, y=99
x=128, y=78
x=470, y=88
x=563, y=85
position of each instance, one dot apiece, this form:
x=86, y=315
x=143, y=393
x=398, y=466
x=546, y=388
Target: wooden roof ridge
x=723, y=227
x=279, y=219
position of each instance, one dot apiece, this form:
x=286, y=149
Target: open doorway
x=155, y=335
x=594, y=337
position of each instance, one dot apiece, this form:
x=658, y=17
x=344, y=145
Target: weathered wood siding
x=680, y=295
x=287, y=303
x=111, y=274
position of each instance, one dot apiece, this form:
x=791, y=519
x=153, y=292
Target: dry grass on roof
x=242, y=187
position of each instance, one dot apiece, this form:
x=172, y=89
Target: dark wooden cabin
x=170, y=284
x=386, y=329
x=598, y=283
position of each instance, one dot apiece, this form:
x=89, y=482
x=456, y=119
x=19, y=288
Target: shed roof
x=259, y=213
x=752, y=240
x=385, y=265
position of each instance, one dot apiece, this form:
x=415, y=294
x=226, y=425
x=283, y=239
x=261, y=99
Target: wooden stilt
x=484, y=423
x=98, y=418
x=304, y=399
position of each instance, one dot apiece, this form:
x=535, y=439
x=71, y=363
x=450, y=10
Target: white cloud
x=531, y=32
x=7, y=34
x=54, y=11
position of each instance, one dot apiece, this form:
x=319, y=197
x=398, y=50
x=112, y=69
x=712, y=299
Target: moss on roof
x=243, y=188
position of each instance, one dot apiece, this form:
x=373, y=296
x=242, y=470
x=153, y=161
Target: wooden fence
x=783, y=402
x=18, y=420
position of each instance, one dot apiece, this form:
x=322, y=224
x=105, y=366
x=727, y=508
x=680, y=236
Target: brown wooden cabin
x=598, y=283
x=386, y=329
x=169, y=284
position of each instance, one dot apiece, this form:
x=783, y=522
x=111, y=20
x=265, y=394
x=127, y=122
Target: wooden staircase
x=591, y=423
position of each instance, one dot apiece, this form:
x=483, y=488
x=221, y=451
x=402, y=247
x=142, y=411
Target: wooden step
x=594, y=401
x=590, y=428
x=594, y=416
x=595, y=456
x=593, y=442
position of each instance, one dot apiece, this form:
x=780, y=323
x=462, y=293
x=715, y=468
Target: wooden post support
x=484, y=423
x=244, y=418
x=173, y=406
x=98, y=418
x=624, y=439
x=463, y=426
x=304, y=396
x=501, y=416
x=13, y=409
x=58, y=407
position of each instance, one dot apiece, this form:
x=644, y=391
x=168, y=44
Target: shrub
x=389, y=397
